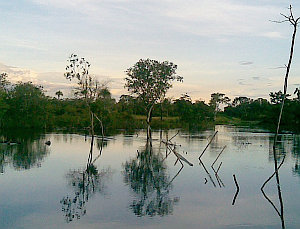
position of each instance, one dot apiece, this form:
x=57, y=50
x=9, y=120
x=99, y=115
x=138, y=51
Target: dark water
x=134, y=186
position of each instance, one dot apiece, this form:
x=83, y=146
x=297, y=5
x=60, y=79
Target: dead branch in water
x=174, y=136
x=209, y=176
x=212, y=138
x=212, y=165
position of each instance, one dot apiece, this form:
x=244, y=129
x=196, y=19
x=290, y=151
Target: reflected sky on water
x=132, y=185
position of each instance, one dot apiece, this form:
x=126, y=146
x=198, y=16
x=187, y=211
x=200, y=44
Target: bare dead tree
x=294, y=22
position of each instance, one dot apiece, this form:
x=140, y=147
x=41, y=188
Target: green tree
x=241, y=100
x=216, y=99
x=150, y=80
x=27, y=106
x=277, y=97
x=3, y=80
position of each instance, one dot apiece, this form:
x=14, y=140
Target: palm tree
x=59, y=94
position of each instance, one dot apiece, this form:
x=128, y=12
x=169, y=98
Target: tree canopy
x=149, y=79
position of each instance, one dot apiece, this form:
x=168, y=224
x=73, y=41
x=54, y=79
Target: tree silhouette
x=59, y=94
x=216, y=99
x=150, y=80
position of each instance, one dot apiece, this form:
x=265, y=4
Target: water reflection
x=22, y=150
x=147, y=177
x=296, y=155
x=85, y=184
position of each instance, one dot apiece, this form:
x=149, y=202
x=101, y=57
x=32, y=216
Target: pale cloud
x=16, y=74
x=208, y=18
x=222, y=17
x=273, y=34
x=246, y=62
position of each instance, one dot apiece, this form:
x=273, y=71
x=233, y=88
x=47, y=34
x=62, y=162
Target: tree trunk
x=149, y=118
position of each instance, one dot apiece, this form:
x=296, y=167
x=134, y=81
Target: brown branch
x=212, y=165
x=174, y=136
x=212, y=138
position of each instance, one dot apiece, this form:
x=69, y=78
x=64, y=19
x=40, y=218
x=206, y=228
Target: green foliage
x=27, y=104
x=195, y=114
x=277, y=97
x=24, y=105
x=3, y=81
x=151, y=79
x=266, y=113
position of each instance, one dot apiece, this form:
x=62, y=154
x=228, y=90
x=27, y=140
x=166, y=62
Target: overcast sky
x=228, y=46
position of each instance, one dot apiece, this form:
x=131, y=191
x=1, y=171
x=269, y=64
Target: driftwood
x=212, y=165
x=180, y=158
x=212, y=138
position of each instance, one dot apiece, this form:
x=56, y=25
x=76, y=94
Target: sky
x=226, y=46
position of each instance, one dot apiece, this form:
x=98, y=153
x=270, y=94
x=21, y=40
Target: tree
x=27, y=104
x=150, y=80
x=294, y=22
x=241, y=100
x=59, y=94
x=278, y=97
x=3, y=96
x=216, y=99
x=88, y=87
x=3, y=81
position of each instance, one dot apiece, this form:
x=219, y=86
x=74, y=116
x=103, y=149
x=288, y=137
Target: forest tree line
x=25, y=105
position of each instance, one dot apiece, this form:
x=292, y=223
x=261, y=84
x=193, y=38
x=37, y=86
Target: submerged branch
x=237, y=190
x=212, y=138
x=212, y=165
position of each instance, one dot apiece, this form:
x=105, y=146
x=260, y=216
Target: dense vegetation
x=265, y=112
x=25, y=105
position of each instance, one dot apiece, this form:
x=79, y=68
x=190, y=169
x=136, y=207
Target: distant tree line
x=25, y=105
x=266, y=112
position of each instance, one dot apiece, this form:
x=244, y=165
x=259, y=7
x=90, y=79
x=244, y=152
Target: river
x=133, y=185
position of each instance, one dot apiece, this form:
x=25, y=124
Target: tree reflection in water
x=147, y=177
x=22, y=150
x=85, y=184
x=296, y=154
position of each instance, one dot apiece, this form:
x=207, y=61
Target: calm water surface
x=132, y=186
